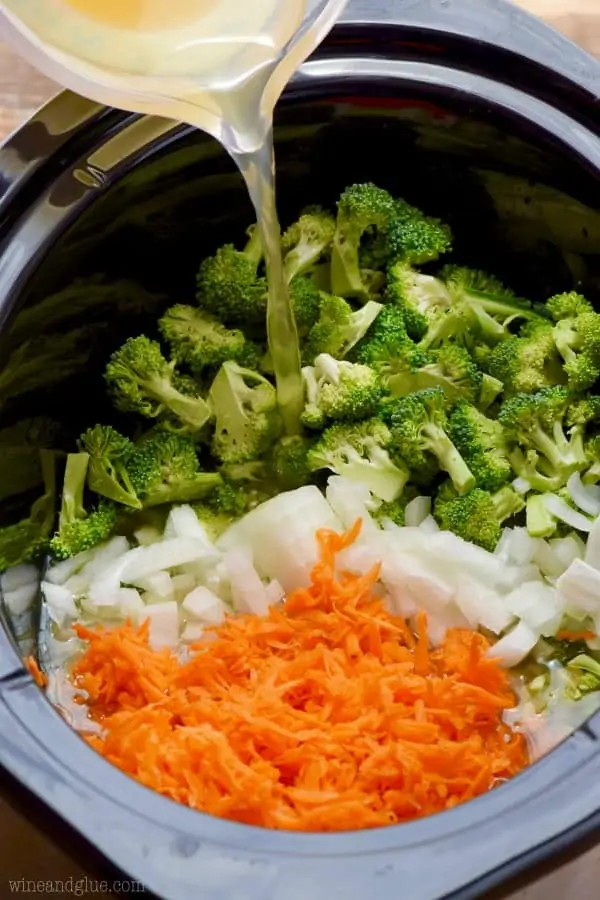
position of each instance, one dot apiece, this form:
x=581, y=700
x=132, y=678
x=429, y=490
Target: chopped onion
x=281, y=535
x=568, y=549
x=514, y=646
x=521, y=546
x=59, y=602
x=538, y=605
x=193, y=632
x=184, y=524
x=275, y=593
x=160, y=585
x=584, y=496
x=247, y=590
x=482, y=606
x=103, y=557
x=548, y=561
x=203, y=604
x=19, y=600
x=62, y=571
x=561, y=510
x=417, y=511
x=131, y=605
x=164, y=624
x=182, y=585
x=147, y=535
x=429, y=525
x=580, y=586
x=592, y=550
x=502, y=547
x=144, y=561
x=350, y=501
x=18, y=577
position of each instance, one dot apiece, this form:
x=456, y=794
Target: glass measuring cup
x=222, y=74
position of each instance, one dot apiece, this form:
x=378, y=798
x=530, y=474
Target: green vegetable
x=142, y=381
x=482, y=444
x=80, y=529
x=306, y=241
x=361, y=452
x=477, y=516
x=200, y=341
x=247, y=419
x=339, y=391
x=229, y=285
x=419, y=428
x=165, y=469
x=339, y=328
x=27, y=540
x=528, y=362
x=109, y=456
x=450, y=368
x=577, y=338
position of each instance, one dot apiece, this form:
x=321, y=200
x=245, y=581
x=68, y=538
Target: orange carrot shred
x=36, y=673
x=328, y=714
x=566, y=635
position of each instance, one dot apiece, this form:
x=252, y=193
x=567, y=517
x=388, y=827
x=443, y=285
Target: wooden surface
x=25, y=851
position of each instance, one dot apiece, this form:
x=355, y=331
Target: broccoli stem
x=194, y=411
x=185, y=491
x=72, y=507
x=449, y=458
x=257, y=167
x=540, y=524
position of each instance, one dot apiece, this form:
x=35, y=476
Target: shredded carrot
x=327, y=714
x=566, y=635
x=35, y=671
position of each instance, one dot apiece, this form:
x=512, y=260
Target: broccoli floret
x=339, y=391
x=417, y=295
x=414, y=237
x=494, y=308
x=247, y=419
x=592, y=453
x=80, y=529
x=578, y=341
x=528, y=362
x=290, y=461
x=419, y=430
x=339, y=328
x=142, y=381
x=360, y=208
x=387, y=344
x=20, y=445
x=229, y=286
x=539, y=449
x=306, y=241
x=477, y=516
x=584, y=672
x=225, y=505
x=482, y=445
x=362, y=452
x=27, y=540
x=396, y=510
x=450, y=368
x=200, y=341
x=583, y=411
x=165, y=469
x=110, y=454
x=306, y=303
x=568, y=306
x=491, y=388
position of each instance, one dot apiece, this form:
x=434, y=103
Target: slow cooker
x=471, y=109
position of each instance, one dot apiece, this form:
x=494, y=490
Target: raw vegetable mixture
x=456, y=421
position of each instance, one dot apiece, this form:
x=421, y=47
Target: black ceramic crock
x=471, y=109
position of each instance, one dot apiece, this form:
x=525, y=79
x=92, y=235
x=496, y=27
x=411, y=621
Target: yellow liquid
x=145, y=15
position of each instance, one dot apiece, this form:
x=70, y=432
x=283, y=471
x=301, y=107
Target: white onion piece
x=19, y=576
x=160, y=585
x=147, y=535
x=19, y=600
x=60, y=602
x=417, y=511
x=521, y=546
x=247, y=590
x=568, y=549
x=130, y=603
x=584, y=496
x=164, y=624
x=281, y=534
x=580, y=586
x=548, y=562
x=514, y=646
x=521, y=485
x=145, y=561
x=561, y=510
x=203, y=604
x=62, y=571
x=429, y=525
x=184, y=524
x=504, y=544
x=481, y=606
x=275, y=593
x=538, y=605
x=592, y=550
x=351, y=500
x=182, y=585
x=193, y=632
x=103, y=557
